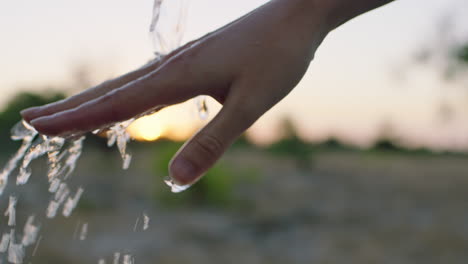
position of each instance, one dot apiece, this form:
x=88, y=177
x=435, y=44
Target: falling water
x=11, y=211
x=84, y=231
x=30, y=232
x=62, y=154
x=4, y=242
x=146, y=221
x=62, y=157
x=166, y=34
x=116, y=257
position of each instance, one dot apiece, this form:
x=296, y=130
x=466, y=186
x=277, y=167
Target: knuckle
x=209, y=145
x=115, y=111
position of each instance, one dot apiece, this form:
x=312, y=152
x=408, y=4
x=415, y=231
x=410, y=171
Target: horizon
x=349, y=92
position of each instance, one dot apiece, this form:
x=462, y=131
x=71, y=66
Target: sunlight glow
x=173, y=123
x=147, y=129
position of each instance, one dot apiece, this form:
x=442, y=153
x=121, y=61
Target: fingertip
x=183, y=171
x=38, y=123
x=44, y=126
x=29, y=114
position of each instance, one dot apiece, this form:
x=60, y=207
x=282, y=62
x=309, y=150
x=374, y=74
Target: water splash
x=175, y=188
x=84, y=231
x=168, y=25
x=16, y=252
x=118, y=134
x=52, y=209
x=37, y=246
x=202, y=107
x=40, y=146
x=146, y=221
x=4, y=242
x=11, y=211
x=127, y=259
x=63, y=154
x=136, y=224
x=116, y=258
x=62, y=162
x=71, y=203
x=167, y=29
x=30, y=232
x=21, y=131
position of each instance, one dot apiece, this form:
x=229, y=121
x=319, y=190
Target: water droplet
x=15, y=251
x=175, y=188
x=13, y=162
x=36, y=246
x=54, y=185
x=51, y=211
x=71, y=203
x=30, y=232
x=202, y=107
x=23, y=175
x=116, y=257
x=126, y=161
x=146, y=221
x=11, y=211
x=4, y=242
x=136, y=224
x=127, y=259
x=84, y=231
x=22, y=130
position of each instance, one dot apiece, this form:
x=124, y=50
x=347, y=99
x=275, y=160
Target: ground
x=341, y=207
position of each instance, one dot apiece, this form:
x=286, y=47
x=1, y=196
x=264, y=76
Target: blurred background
x=364, y=162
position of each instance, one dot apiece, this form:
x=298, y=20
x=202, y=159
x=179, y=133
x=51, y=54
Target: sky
x=349, y=91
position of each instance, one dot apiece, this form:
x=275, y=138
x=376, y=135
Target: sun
x=148, y=128
x=174, y=123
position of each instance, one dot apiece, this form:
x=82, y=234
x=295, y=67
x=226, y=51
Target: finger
x=76, y=100
x=118, y=105
x=97, y=91
x=154, y=90
x=203, y=150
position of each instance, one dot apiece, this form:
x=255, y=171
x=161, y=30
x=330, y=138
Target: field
x=257, y=207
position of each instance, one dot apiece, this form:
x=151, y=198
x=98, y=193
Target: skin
x=248, y=66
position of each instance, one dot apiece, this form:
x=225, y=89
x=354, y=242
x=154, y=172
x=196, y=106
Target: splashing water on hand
x=63, y=154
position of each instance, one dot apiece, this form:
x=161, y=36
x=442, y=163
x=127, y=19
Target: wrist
x=340, y=11
x=314, y=12
x=333, y=13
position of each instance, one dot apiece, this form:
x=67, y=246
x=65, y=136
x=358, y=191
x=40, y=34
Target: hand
x=248, y=66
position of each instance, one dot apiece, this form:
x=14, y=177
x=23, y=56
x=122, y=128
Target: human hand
x=248, y=66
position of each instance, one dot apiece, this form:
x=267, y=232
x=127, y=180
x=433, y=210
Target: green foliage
x=10, y=115
x=292, y=145
x=386, y=145
x=462, y=54
x=333, y=144
x=242, y=142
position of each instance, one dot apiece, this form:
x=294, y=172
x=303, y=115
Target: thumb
x=202, y=151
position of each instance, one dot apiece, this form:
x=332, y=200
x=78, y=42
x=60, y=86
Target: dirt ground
x=346, y=207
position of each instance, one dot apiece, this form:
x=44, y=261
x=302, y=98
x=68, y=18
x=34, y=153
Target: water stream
x=166, y=29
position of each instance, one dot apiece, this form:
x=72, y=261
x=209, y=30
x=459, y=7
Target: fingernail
x=183, y=171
